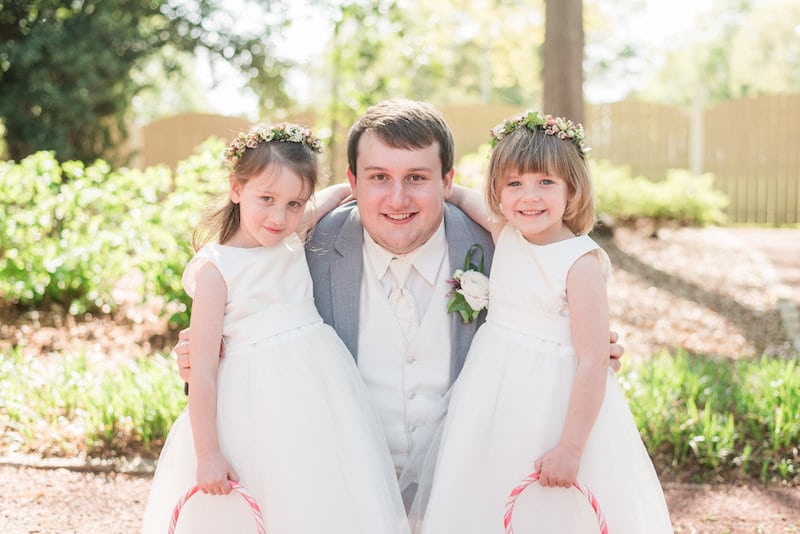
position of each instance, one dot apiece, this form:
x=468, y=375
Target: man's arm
x=471, y=202
x=323, y=202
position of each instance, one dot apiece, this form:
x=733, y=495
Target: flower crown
x=533, y=120
x=287, y=133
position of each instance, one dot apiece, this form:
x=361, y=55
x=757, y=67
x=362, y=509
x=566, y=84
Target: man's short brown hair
x=404, y=124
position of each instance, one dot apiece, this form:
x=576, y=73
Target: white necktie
x=401, y=299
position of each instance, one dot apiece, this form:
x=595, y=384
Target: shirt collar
x=426, y=259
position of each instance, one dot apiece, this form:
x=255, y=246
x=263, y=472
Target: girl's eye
x=266, y=198
x=547, y=181
x=295, y=204
x=514, y=183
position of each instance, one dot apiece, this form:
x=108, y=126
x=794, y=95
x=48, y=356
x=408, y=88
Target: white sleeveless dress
x=293, y=416
x=508, y=408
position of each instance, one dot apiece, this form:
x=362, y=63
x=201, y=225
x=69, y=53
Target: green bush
x=682, y=197
x=72, y=233
x=703, y=418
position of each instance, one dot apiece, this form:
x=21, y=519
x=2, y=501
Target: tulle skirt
x=506, y=409
x=295, y=423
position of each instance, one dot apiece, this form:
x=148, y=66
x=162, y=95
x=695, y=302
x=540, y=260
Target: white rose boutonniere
x=470, y=289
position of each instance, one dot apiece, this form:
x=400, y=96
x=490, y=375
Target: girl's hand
x=213, y=474
x=558, y=467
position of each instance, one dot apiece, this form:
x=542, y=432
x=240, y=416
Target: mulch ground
x=61, y=501
x=706, y=291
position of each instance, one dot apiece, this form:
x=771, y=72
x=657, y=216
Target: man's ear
x=448, y=183
x=352, y=178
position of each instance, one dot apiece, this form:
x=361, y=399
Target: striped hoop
x=533, y=477
x=249, y=499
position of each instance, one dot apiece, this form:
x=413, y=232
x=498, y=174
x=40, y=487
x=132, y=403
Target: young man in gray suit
x=408, y=348
x=400, y=168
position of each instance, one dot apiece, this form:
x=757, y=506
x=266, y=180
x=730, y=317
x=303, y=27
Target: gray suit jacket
x=335, y=259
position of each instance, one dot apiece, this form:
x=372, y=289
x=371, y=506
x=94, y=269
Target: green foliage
x=385, y=49
x=738, y=48
x=66, y=405
x=67, y=69
x=74, y=233
x=706, y=418
x=682, y=197
x=765, y=54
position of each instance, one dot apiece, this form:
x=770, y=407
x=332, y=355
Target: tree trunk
x=563, y=59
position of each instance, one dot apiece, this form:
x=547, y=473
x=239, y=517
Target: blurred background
x=707, y=85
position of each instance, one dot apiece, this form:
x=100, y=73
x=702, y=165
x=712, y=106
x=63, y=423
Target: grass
x=64, y=406
x=702, y=419
x=709, y=419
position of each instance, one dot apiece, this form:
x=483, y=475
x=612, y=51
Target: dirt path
x=50, y=501
x=781, y=249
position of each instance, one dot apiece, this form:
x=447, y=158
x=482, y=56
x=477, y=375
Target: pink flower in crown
x=559, y=127
x=282, y=132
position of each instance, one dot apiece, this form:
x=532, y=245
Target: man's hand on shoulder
x=616, y=351
x=181, y=351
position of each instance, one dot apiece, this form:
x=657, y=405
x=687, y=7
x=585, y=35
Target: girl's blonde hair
x=221, y=224
x=534, y=151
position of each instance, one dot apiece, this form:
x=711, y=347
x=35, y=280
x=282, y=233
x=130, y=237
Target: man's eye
x=416, y=178
x=379, y=177
x=266, y=198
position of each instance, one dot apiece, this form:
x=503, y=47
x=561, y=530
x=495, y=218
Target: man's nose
x=398, y=193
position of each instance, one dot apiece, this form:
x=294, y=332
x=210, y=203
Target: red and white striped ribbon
x=249, y=499
x=533, y=477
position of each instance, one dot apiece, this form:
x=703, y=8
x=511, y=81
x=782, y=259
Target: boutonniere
x=470, y=288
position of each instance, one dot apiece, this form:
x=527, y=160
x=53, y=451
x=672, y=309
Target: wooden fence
x=752, y=146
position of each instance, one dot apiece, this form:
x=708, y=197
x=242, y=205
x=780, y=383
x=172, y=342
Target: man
x=408, y=348
x=400, y=168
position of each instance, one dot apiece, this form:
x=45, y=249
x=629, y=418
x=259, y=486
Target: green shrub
x=72, y=233
x=682, y=197
x=703, y=418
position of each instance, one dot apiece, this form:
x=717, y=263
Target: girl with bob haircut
x=536, y=399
